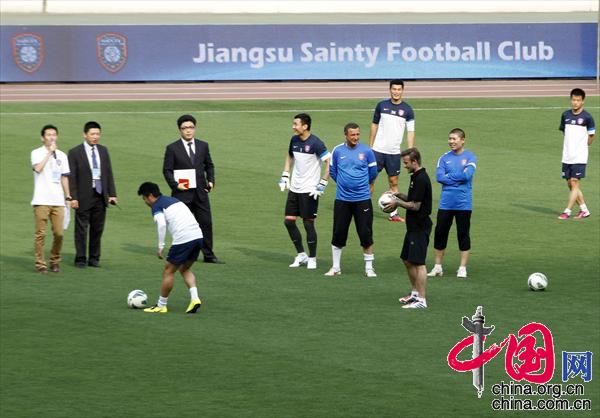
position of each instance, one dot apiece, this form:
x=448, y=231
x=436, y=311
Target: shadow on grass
x=275, y=257
x=538, y=209
x=139, y=249
x=13, y=263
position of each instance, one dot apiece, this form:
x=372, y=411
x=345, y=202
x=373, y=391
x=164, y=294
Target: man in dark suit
x=92, y=189
x=189, y=153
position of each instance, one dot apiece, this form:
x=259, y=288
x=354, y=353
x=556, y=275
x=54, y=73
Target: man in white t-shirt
x=50, y=191
x=579, y=128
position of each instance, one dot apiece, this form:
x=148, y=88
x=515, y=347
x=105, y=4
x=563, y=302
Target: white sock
x=462, y=267
x=368, y=261
x=303, y=254
x=567, y=211
x=194, y=293
x=162, y=301
x=437, y=267
x=414, y=293
x=337, y=257
x=394, y=213
x=583, y=208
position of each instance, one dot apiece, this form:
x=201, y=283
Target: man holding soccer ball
x=418, y=227
x=172, y=214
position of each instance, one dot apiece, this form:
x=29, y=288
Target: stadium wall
x=296, y=52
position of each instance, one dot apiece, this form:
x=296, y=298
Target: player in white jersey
x=579, y=129
x=172, y=214
x=390, y=119
x=306, y=152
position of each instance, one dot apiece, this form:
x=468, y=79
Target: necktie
x=97, y=183
x=192, y=155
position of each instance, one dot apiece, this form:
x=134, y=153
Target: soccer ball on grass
x=137, y=299
x=537, y=281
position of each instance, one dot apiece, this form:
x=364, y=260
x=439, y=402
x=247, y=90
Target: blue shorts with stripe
x=188, y=251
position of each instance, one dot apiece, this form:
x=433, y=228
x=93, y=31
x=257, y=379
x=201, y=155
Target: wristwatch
x=68, y=198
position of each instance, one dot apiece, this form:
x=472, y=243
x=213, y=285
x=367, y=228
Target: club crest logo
x=111, y=49
x=306, y=148
x=361, y=156
x=28, y=51
x=580, y=121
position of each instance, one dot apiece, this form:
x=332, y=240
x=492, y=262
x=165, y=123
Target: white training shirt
x=173, y=214
x=307, y=155
x=576, y=129
x=392, y=119
x=47, y=186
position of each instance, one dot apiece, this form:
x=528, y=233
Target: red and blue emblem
x=111, y=49
x=28, y=51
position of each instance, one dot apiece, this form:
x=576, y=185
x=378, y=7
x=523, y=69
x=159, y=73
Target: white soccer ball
x=384, y=199
x=137, y=299
x=537, y=281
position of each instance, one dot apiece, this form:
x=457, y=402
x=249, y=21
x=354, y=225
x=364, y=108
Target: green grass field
x=271, y=341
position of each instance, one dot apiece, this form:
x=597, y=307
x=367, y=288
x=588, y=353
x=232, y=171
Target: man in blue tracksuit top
x=354, y=168
x=455, y=172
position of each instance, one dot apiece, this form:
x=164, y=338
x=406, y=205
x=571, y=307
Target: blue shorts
x=391, y=163
x=573, y=171
x=188, y=251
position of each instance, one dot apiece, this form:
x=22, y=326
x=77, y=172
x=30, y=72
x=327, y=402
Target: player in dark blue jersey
x=306, y=153
x=354, y=169
x=455, y=170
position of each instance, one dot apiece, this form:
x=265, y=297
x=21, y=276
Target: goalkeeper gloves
x=319, y=189
x=284, y=181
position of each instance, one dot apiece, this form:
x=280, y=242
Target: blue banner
x=297, y=52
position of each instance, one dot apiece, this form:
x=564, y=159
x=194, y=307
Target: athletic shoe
x=436, y=272
x=333, y=272
x=396, y=218
x=370, y=273
x=415, y=305
x=312, y=263
x=194, y=306
x=563, y=216
x=300, y=259
x=156, y=309
x=582, y=214
x=410, y=298
x=461, y=273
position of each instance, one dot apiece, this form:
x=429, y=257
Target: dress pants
x=93, y=217
x=200, y=207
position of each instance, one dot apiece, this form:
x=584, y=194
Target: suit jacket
x=80, y=178
x=177, y=158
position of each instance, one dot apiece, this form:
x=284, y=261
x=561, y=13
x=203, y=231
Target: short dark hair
x=458, y=132
x=350, y=125
x=413, y=154
x=396, y=82
x=91, y=125
x=46, y=127
x=578, y=92
x=148, y=188
x=305, y=119
x=185, y=118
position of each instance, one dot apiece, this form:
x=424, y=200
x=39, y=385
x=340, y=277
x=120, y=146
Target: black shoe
x=80, y=264
x=213, y=260
x=94, y=264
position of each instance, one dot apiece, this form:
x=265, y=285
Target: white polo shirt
x=47, y=186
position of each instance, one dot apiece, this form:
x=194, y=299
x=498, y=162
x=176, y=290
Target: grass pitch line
x=166, y=112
